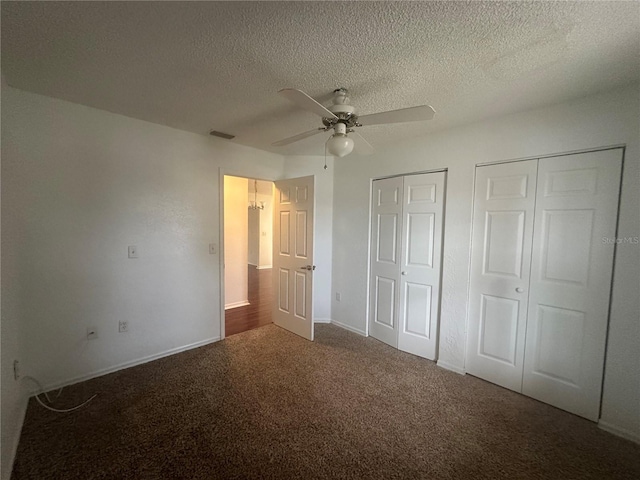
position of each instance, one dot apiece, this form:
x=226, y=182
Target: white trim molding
x=129, y=364
x=241, y=303
x=321, y=320
x=619, y=431
x=263, y=267
x=349, y=327
x=450, y=367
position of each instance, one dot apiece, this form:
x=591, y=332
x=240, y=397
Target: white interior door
x=406, y=250
x=293, y=255
x=576, y=211
x=421, y=249
x=386, y=231
x=500, y=266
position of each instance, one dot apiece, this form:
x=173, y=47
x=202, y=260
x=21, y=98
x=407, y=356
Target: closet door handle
x=519, y=289
x=403, y=273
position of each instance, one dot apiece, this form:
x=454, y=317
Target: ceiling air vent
x=215, y=133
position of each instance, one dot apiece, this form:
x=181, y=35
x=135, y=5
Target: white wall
x=602, y=120
x=261, y=224
x=13, y=394
x=300, y=166
x=79, y=185
x=253, y=256
x=265, y=239
x=236, y=242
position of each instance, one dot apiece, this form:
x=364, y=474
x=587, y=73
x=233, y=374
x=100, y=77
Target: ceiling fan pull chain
x=325, y=154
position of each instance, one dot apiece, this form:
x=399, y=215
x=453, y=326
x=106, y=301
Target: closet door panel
x=576, y=209
x=500, y=265
x=419, y=304
x=386, y=231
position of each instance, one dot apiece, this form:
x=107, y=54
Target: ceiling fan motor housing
x=346, y=113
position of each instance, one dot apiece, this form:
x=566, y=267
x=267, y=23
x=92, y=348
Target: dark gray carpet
x=267, y=404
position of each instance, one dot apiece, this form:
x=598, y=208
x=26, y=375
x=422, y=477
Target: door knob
x=403, y=273
x=519, y=290
x=308, y=267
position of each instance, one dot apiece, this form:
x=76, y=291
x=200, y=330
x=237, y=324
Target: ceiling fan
x=342, y=119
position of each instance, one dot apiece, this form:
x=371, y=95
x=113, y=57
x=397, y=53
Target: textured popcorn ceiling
x=218, y=65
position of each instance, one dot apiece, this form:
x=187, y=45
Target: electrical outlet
x=123, y=326
x=16, y=370
x=337, y=297
x=213, y=249
x=133, y=251
x=92, y=333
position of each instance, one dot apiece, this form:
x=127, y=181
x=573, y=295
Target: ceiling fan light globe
x=340, y=145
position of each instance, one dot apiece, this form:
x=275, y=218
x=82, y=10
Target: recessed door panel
x=504, y=242
x=285, y=195
x=283, y=290
x=301, y=234
x=387, y=238
x=300, y=295
x=302, y=194
x=388, y=195
x=498, y=328
x=420, y=239
x=385, y=301
x=581, y=181
x=566, y=245
x=507, y=187
x=417, y=309
x=285, y=233
x=558, y=345
x=421, y=193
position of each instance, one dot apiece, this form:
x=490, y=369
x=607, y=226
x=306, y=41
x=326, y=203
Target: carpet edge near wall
x=619, y=431
x=129, y=364
x=15, y=440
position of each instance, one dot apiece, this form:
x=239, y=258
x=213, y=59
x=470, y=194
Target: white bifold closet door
x=406, y=250
x=541, y=276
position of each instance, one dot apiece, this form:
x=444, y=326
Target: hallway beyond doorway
x=258, y=312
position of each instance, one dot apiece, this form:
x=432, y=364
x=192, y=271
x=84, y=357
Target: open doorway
x=248, y=239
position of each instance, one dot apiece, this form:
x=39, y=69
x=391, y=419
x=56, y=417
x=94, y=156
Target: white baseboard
x=349, y=327
x=321, y=320
x=264, y=267
x=452, y=368
x=7, y=469
x=619, y=431
x=129, y=364
x=242, y=303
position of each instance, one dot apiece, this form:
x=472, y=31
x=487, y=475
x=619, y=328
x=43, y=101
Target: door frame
x=369, y=235
x=222, y=171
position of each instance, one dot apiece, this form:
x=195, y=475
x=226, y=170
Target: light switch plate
x=213, y=249
x=133, y=251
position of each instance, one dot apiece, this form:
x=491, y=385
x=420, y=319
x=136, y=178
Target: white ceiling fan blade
x=306, y=102
x=360, y=145
x=411, y=114
x=295, y=138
